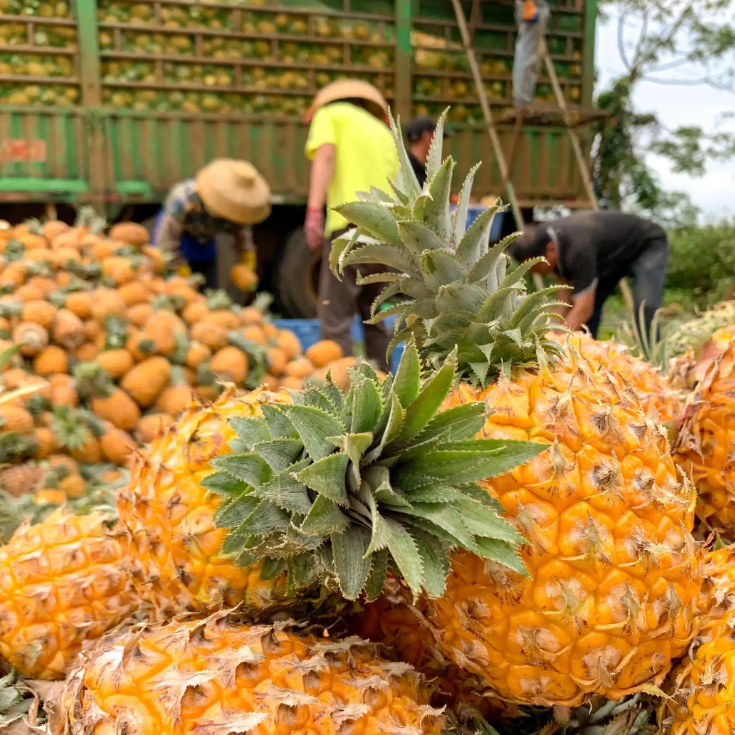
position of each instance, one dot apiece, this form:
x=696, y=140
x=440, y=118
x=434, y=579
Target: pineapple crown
x=34, y=226
x=169, y=302
x=14, y=250
x=342, y=487
x=73, y=426
x=84, y=271
x=87, y=217
x=69, y=430
x=217, y=299
x=451, y=289
x=92, y=381
x=116, y=332
x=181, y=350
x=42, y=268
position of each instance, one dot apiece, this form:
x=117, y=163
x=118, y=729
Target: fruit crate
x=234, y=57
x=248, y=58
x=39, y=61
x=136, y=95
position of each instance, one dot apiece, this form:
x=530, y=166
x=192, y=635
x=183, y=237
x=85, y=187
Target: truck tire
x=296, y=279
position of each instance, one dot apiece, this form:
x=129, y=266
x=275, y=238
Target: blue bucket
x=475, y=210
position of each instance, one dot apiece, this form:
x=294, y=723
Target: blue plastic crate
x=308, y=332
x=474, y=211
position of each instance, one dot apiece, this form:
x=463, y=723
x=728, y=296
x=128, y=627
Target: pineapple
x=177, y=512
x=703, y=685
x=612, y=570
x=698, y=342
x=219, y=675
x=703, y=448
x=61, y=583
x=170, y=535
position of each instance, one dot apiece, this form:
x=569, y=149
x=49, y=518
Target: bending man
x=592, y=252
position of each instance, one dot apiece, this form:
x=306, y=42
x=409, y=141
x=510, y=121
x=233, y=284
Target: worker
x=225, y=197
x=351, y=149
x=531, y=19
x=591, y=252
x=419, y=134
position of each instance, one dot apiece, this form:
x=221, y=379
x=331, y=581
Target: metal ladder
x=502, y=162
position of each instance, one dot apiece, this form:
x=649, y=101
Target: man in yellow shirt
x=352, y=150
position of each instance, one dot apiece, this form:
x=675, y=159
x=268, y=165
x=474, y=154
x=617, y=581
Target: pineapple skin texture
x=391, y=620
x=172, y=545
x=703, y=447
x=61, y=583
x=660, y=402
x=702, y=687
x=614, y=577
x=220, y=676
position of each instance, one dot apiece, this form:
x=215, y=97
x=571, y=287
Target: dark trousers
x=339, y=301
x=649, y=275
x=207, y=268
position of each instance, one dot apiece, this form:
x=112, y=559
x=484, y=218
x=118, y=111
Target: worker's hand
x=314, y=227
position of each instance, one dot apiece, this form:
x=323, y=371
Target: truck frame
x=88, y=147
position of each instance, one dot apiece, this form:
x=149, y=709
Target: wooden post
x=90, y=72
x=404, y=58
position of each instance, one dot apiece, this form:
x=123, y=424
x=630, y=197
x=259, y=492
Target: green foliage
x=702, y=264
x=681, y=43
x=341, y=487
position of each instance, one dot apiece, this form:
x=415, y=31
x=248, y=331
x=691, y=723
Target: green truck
x=111, y=102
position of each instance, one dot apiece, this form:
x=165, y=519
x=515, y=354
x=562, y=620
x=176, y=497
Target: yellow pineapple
x=241, y=501
x=703, y=448
x=170, y=538
x=61, y=583
x=219, y=675
x=613, y=578
x=703, y=685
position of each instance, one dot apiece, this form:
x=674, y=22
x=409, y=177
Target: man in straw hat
x=352, y=150
x=226, y=197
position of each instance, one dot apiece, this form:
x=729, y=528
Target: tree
x=680, y=43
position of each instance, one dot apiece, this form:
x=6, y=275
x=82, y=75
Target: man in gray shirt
x=592, y=252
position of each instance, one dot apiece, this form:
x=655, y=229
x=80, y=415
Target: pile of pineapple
x=496, y=538
x=110, y=347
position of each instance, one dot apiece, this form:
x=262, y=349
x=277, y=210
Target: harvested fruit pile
x=111, y=347
x=504, y=515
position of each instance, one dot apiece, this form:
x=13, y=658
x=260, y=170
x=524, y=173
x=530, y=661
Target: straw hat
x=235, y=191
x=350, y=88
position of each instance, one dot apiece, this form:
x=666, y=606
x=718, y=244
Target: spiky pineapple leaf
x=436, y=210
x=373, y=219
x=453, y=291
x=250, y=467
x=351, y=563
x=224, y=483
x=314, y=425
x=375, y=478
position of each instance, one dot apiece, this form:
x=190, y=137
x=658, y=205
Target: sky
x=713, y=193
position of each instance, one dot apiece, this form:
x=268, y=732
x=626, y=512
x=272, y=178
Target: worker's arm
x=582, y=307
x=168, y=237
x=322, y=171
